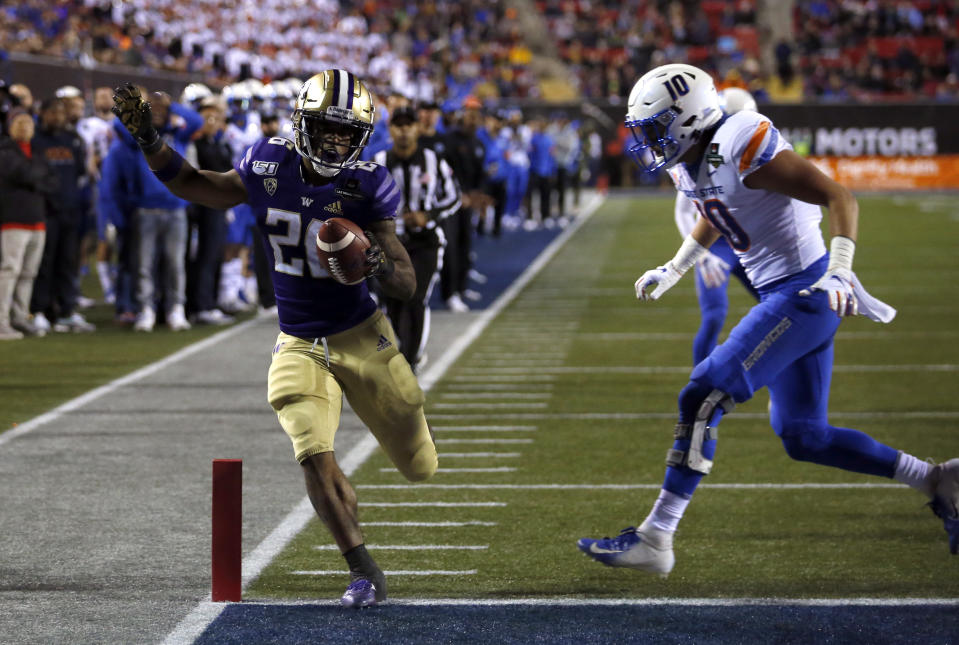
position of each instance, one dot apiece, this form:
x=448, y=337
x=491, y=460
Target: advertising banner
x=892, y=173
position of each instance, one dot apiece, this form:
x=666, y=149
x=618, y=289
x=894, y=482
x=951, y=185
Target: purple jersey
x=289, y=212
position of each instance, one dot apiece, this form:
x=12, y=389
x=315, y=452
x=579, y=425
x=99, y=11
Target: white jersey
x=774, y=235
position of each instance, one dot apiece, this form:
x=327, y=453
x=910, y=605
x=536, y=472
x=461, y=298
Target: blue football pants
x=784, y=343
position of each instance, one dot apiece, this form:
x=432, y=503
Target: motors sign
x=858, y=142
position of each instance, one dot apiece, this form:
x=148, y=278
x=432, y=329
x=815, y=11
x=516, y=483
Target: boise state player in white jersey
x=765, y=200
x=715, y=267
x=333, y=340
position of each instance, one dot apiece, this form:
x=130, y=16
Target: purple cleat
x=361, y=593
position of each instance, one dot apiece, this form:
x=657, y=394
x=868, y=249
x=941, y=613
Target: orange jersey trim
x=37, y=226
x=753, y=145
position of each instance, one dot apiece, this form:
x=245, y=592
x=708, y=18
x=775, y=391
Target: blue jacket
x=541, y=158
x=126, y=181
x=495, y=162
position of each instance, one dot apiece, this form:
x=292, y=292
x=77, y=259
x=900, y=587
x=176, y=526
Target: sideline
x=207, y=611
x=114, y=385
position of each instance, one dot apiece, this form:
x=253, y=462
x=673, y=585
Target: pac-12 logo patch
x=270, y=186
x=713, y=158
x=265, y=167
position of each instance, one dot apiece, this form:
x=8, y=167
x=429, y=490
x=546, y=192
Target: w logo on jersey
x=383, y=344
x=336, y=208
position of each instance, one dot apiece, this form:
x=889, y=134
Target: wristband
x=841, y=250
x=688, y=254
x=171, y=169
x=386, y=268
x=154, y=145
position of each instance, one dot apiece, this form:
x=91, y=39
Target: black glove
x=378, y=264
x=135, y=115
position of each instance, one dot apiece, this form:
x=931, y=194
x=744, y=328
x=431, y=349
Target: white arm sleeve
x=685, y=214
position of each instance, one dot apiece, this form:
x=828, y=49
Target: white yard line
x=433, y=504
x=470, y=455
x=495, y=395
x=412, y=547
x=657, y=486
x=842, y=335
x=497, y=469
x=484, y=428
x=507, y=356
x=430, y=524
x=484, y=441
x=641, y=416
x=686, y=369
x=116, y=384
x=504, y=378
x=494, y=387
x=394, y=572
x=490, y=406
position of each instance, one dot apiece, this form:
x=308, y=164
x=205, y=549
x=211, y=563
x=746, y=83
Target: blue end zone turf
x=501, y=260
x=668, y=623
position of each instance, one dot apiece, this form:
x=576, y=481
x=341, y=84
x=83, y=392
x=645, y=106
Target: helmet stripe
x=336, y=87
x=349, y=90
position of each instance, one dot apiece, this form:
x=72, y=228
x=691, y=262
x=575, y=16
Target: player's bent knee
x=804, y=440
x=298, y=419
x=422, y=465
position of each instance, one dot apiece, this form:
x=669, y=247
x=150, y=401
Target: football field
x=552, y=420
x=553, y=425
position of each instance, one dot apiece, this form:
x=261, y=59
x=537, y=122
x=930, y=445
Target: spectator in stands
x=24, y=95
x=159, y=218
x=517, y=136
x=212, y=153
x=497, y=173
x=542, y=172
x=26, y=182
x=97, y=133
x=57, y=285
x=567, y=152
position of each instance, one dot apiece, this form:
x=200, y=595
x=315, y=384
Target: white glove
x=713, y=270
x=839, y=285
x=662, y=277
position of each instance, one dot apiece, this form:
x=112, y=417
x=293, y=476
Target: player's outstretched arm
x=213, y=189
x=791, y=175
x=389, y=262
x=655, y=282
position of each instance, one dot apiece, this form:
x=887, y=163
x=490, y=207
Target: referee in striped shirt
x=429, y=194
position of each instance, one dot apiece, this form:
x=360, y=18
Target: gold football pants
x=309, y=377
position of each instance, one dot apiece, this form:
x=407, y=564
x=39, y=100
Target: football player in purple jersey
x=333, y=340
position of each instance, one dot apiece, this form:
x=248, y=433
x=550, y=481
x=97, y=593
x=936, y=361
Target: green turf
x=37, y=374
x=833, y=543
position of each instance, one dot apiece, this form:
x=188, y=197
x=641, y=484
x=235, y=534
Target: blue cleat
x=945, y=499
x=361, y=593
x=646, y=549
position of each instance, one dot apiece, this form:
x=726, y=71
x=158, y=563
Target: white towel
x=869, y=306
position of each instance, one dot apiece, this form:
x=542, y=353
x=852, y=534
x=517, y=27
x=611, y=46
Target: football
x=341, y=246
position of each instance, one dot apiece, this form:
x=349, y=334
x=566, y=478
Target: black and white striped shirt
x=426, y=183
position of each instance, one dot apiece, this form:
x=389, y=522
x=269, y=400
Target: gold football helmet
x=332, y=120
